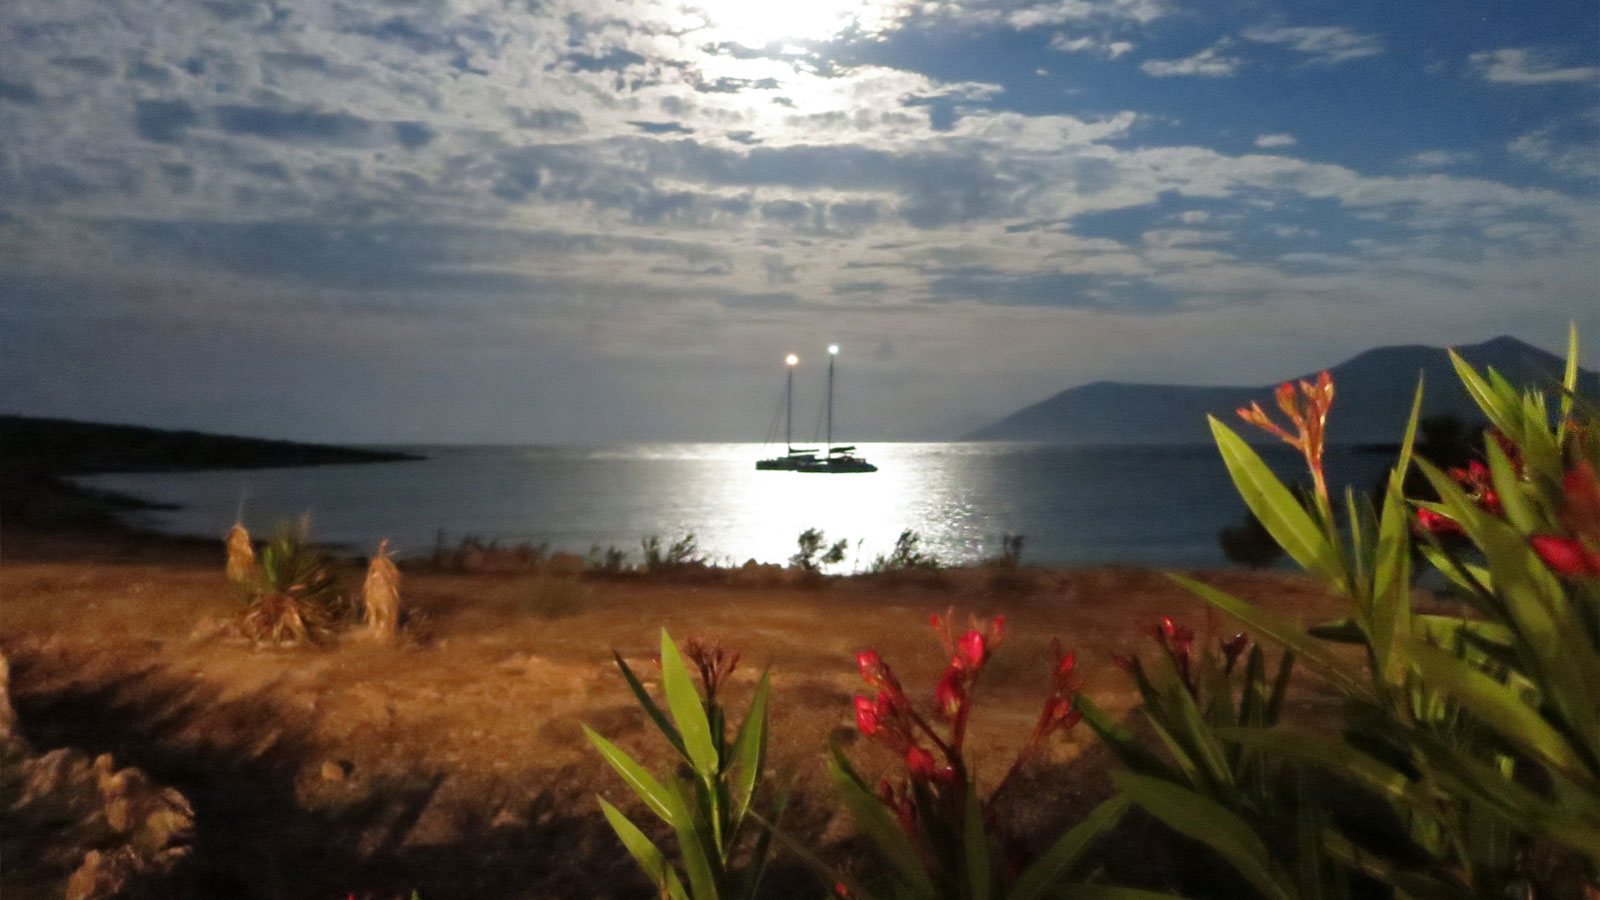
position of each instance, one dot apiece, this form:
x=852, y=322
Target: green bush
x=707, y=800
x=291, y=594
x=1472, y=739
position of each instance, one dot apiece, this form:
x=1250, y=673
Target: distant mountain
x=1373, y=396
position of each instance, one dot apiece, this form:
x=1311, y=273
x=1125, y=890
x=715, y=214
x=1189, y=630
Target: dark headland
x=38, y=456
x=1374, y=397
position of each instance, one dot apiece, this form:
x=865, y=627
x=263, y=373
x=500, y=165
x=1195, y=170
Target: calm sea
x=1075, y=505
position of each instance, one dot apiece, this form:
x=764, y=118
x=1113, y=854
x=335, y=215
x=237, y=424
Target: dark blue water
x=1074, y=505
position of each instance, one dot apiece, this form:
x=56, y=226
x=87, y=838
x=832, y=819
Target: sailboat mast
x=833, y=351
x=788, y=404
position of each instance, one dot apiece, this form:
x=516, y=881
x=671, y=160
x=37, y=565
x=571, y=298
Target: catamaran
x=839, y=459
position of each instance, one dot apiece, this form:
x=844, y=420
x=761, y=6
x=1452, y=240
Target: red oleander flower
x=1232, y=649
x=951, y=693
x=1581, y=507
x=970, y=650
x=876, y=672
x=1309, y=416
x=714, y=664
x=921, y=763
x=1438, y=523
x=1566, y=556
x=867, y=718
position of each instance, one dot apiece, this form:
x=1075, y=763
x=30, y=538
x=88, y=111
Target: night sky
x=574, y=221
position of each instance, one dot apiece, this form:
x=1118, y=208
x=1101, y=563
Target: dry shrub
x=292, y=596
x=380, y=595
x=241, y=556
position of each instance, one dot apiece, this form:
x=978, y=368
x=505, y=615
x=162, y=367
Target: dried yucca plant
x=293, y=595
x=381, y=595
x=241, y=557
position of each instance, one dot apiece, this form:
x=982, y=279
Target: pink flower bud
x=921, y=763
x=1437, y=523
x=971, y=651
x=951, y=693
x=1566, y=556
x=867, y=718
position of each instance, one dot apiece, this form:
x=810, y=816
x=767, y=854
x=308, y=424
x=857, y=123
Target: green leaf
x=878, y=824
x=750, y=749
x=1500, y=410
x=649, y=857
x=1496, y=705
x=1474, y=579
x=1569, y=379
x=1209, y=823
x=702, y=857
x=650, y=707
x=1054, y=863
x=1509, y=489
x=975, y=839
x=651, y=791
x=1280, y=687
x=1335, y=756
x=684, y=702
x=1278, y=508
x=1316, y=657
x=1121, y=741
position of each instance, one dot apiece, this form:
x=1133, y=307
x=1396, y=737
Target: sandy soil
x=454, y=763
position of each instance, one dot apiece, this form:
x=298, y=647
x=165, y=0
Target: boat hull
x=834, y=466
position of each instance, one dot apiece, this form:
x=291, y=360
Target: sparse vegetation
x=811, y=557
x=906, y=556
x=684, y=553
x=291, y=592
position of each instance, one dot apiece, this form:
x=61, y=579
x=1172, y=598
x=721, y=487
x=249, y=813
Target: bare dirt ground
x=454, y=763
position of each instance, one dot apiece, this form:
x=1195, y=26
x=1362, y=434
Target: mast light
x=791, y=359
x=833, y=349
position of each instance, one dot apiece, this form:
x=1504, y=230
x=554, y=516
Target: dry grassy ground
x=453, y=762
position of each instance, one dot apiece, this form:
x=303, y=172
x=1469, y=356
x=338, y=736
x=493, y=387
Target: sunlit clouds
x=507, y=221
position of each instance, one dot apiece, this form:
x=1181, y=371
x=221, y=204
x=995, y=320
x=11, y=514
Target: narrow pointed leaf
x=1501, y=414
x=750, y=749
x=1209, y=823
x=649, y=857
x=1496, y=705
x=878, y=824
x=1277, y=507
x=649, y=706
x=651, y=791
x=684, y=702
x=1127, y=748
x=1316, y=657
x=1054, y=863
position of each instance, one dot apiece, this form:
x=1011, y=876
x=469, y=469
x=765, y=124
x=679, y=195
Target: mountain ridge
x=1373, y=397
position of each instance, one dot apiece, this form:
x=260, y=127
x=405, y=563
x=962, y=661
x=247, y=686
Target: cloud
x=1524, y=66
x=1440, y=159
x=1570, y=148
x=1099, y=46
x=1208, y=63
x=1325, y=45
x=1273, y=141
x=1058, y=12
